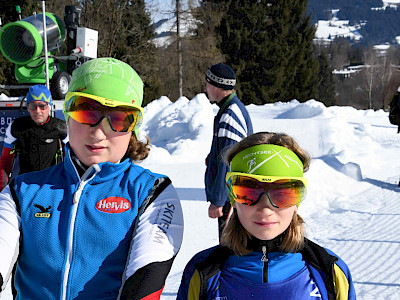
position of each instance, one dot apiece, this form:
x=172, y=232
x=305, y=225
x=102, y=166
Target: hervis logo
x=113, y=205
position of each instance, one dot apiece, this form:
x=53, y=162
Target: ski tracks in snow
x=366, y=235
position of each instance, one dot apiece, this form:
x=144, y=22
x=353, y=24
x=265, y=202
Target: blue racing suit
x=111, y=233
x=312, y=273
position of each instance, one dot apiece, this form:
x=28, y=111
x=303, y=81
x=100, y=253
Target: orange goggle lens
x=90, y=112
x=281, y=192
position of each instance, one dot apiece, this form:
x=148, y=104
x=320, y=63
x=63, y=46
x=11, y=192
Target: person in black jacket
x=37, y=139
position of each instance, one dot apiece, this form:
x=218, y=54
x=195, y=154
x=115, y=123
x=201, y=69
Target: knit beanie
x=38, y=92
x=222, y=76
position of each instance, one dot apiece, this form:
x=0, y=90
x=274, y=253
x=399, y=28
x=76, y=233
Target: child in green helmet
x=96, y=226
x=263, y=252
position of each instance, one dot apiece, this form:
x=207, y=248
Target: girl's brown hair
x=138, y=150
x=234, y=235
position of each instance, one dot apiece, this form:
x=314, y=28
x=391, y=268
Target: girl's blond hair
x=234, y=235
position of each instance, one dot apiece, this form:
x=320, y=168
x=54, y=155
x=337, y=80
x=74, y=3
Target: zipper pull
x=264, y=258
x=78, y=193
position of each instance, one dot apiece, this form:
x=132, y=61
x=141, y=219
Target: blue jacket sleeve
x=231, y=125
x=219, y=191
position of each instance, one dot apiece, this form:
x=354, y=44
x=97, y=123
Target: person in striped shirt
x=231, y=124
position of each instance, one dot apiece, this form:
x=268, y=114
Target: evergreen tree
x=326, y=91
x=125, y=33
x=269, y=45
x=199, y=49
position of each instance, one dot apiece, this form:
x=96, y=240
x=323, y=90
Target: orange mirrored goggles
x=90, y=112
x=282, y=192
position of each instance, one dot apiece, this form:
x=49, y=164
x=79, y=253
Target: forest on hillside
x=379, y=25
x=270, y=46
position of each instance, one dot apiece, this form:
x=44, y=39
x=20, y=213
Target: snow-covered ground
x=328, y=30
x=353, y=201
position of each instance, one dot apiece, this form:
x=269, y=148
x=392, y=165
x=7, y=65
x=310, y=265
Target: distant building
x=348, y=71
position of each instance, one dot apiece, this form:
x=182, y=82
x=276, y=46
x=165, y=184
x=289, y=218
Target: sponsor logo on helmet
x=44, y=211
x=251, y=163
x=266, y=152
x=266, y=179
x=113, y=205
x=108, y=102
x=294, y=161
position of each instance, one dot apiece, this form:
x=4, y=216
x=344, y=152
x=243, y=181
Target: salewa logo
x=113, y=205
x=44, y=212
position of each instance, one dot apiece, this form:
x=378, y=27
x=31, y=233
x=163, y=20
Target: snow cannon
x=21, y=43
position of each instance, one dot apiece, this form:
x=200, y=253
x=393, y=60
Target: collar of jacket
x=320, y=259
x=107, y=171
x=224, y=103
x=317, y=256
x=271, y=245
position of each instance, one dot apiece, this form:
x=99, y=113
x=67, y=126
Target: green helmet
x=111, y=82
x=267, y=160
x=111, y=79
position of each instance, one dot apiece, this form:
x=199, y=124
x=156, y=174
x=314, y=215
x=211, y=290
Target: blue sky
x=162, y=8
x=159, y=8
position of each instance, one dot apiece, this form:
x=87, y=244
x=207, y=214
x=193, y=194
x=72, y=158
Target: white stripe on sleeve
x=222, y=132
x=8, y=137
x=159, y=233
x=9, y=234
x=228, y=119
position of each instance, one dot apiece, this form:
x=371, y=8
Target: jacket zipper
x=76, y=199
x=264, y=258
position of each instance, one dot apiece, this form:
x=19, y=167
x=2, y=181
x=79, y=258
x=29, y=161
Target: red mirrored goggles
x=90, y=112
x=282, y=192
